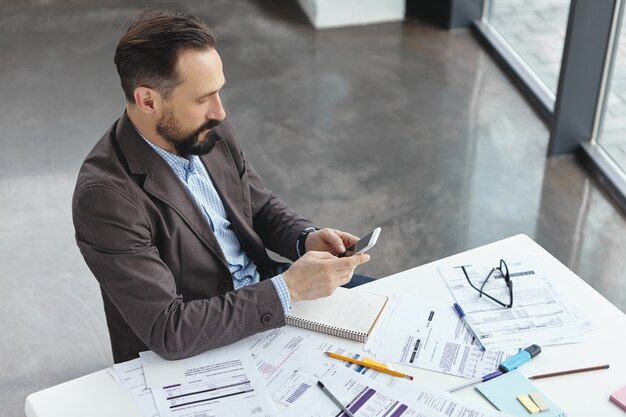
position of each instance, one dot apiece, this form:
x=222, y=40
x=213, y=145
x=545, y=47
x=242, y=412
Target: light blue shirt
x=192, y=173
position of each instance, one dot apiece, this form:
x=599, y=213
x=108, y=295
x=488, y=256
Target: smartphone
x=362, y=245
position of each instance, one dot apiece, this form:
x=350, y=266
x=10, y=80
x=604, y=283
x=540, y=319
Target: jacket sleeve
x=115, y=239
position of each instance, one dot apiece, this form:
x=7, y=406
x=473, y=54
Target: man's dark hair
x=147, y=54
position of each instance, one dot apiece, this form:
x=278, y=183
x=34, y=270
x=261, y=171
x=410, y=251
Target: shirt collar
x=181, y=166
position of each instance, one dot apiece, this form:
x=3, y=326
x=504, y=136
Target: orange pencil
x=374, y=366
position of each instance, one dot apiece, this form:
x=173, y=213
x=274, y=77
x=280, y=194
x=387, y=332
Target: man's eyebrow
x=213, y=92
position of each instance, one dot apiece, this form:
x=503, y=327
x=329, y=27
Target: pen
x=476, y=381
x=461, y=315
x=510, y=364
x=334, y=399
x=372, y=365
x=571, y=371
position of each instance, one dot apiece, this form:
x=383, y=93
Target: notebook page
x=346, y=309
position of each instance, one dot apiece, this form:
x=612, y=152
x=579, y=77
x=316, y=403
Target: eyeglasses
x=503, y=269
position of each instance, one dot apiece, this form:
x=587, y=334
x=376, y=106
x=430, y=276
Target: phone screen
x=359, y=245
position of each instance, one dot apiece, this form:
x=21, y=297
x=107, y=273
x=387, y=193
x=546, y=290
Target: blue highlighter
x=523, y=356
x=519, y=359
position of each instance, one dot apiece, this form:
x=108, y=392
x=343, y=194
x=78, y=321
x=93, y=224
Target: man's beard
x=187, y=143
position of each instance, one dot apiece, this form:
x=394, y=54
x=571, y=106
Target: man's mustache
x=210, y=124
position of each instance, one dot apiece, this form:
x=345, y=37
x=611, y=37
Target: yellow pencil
x=374, y=366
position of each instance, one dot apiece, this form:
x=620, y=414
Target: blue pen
x=476, y=381
x=508, y=365
x=461, y=315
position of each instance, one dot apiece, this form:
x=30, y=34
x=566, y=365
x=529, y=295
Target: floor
x=536, y=30
x=397, y=125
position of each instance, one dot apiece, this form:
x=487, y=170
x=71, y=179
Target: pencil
x=571, y=371
x=373, y=366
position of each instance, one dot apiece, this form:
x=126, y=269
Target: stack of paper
x=130, y=377
x=284, y=362
x=221, y=382
x=291, y=360
x=431, y=337
x=366, y=398
x=538, y=316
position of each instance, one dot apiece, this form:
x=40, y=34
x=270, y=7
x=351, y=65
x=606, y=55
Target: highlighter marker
x=519, y=359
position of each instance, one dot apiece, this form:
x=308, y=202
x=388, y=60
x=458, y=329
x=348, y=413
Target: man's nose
x=217, y=112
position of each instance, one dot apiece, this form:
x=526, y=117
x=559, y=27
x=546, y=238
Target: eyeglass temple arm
x=480, y=290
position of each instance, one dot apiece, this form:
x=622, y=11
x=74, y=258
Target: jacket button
x=224, y=284
x=266, y=318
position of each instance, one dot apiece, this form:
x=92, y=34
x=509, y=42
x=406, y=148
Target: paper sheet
x=538, y=315
x=443, y=402
x=217, y=382
x=290, y=360
x=362, y=396
x=582, y=319
x=431, y=337
x=131, y=377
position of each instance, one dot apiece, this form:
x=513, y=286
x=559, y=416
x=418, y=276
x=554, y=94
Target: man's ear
x=147, y=100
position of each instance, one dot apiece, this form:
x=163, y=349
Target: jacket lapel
x=221, y=168
x=161, y=182
x=224, y=176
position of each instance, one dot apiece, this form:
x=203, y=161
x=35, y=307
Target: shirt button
x=266, y=318
x=224, y=284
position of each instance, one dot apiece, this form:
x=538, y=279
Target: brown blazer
x=164, y=279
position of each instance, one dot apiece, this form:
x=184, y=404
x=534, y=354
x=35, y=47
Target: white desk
x=586, y=394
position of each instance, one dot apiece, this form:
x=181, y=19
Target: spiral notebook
x=348, y=313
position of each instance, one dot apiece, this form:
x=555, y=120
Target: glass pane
x=536, y=31
x=613, y=133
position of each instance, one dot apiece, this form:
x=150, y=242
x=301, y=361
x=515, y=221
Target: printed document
x=538, y=315
x=362, y=396
x=432, y=337
x=130, y=377
x=443, y=402
x=290, y=360
x=220, y=382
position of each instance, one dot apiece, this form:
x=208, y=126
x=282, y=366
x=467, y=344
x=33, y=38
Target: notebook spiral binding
x=326, y=329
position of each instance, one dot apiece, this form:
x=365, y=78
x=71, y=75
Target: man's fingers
x=320, y=255
x=332, y=238
x=348, y=262
x=319, y=273
x=351, y=262
x=347, y=238
x=345, y=278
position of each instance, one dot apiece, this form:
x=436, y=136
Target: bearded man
x=173, y=220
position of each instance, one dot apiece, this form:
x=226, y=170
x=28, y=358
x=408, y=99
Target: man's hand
x=318, y=274
x=329, y=240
